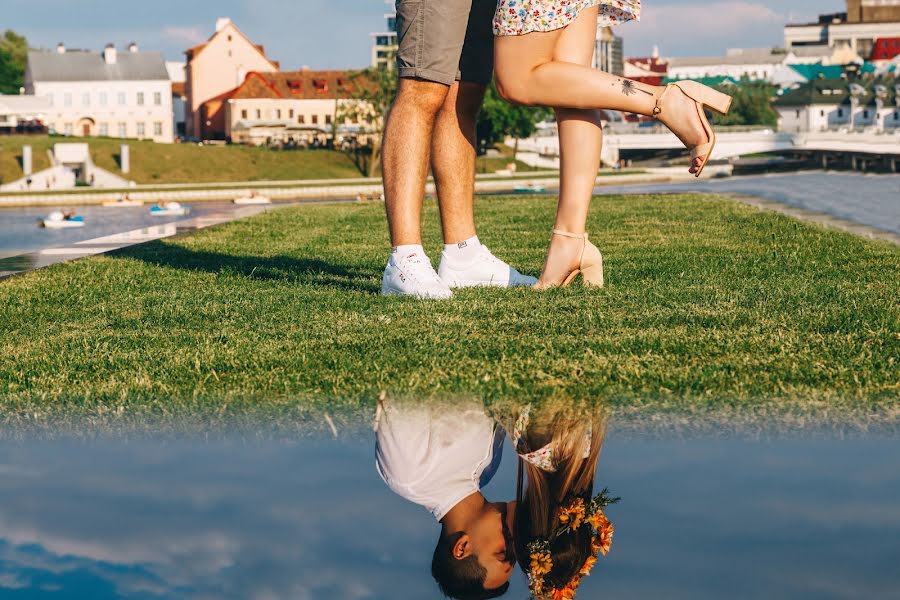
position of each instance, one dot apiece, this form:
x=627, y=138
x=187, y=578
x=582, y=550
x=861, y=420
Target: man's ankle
x=464, y=251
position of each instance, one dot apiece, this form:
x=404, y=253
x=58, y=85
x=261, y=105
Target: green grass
x=712, y=307
x=186, y=163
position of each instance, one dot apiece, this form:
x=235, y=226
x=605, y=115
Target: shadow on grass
x=309, y=271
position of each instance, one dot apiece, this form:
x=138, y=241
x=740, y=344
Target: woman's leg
x=528, y=72
x=580, y=143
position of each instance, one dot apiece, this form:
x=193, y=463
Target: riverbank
x=713, y=308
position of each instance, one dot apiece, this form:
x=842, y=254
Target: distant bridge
x=869, y=145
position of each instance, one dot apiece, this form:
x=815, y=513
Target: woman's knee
x=514, y=88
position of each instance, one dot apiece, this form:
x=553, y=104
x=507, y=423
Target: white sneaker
x=484, y=270
x=413, y=275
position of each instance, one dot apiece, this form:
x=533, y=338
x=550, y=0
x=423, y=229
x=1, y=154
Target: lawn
x=189, y=163
x=186, y=163
x=712, y=308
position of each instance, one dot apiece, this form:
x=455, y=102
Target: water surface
x=698, y=519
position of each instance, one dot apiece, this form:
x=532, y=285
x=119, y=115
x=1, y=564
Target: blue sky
x=335, y=33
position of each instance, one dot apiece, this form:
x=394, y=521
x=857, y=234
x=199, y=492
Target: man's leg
x=431, y=34
x=407, y=145
x=453, y=160
x=465, y=262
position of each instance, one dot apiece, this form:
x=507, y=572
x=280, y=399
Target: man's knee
x=424, y=97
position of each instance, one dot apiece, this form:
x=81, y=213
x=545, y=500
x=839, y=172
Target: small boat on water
x=531, y=188
x=60, y=220
x=170, y=209
x=123, y=202
x=253, y=199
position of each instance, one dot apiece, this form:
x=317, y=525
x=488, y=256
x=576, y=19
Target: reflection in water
x=701, y=518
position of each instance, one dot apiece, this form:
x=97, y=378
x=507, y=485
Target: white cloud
x=189, y=35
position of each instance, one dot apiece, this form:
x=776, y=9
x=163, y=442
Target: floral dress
x=518, y=17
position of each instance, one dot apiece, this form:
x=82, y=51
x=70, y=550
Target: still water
x=699, y=518
x=19, y=233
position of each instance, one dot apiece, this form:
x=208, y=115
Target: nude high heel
x=704, y=96
x=590, y=266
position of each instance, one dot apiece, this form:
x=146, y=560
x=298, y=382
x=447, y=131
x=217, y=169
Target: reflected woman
x=559, y=526
x=440, y=457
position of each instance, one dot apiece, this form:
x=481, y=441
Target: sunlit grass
x=711, y=307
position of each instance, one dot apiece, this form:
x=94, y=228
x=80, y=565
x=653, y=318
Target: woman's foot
x=679, y=114
x=570, y=254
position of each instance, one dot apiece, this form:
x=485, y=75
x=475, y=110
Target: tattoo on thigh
x=629, y=89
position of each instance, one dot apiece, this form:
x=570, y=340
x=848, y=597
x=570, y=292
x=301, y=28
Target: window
x=258, y=114
x=244, y=114
x=123, y=130
x=301, y=119
x=157, y=129
x=102, y=98
x=140, y=98
x=315, y=119
x=865, y=114
x=840, y=113
x=320, y=85
x=278, y=114
x=86, y=99
x=296, y=86
x=67, y=99
x=291, y=114
x=68, y=129
x=122, y=99
x=157, y=98
x=798, y=113
x=141, y=129
x=822, y=113
x=104, y=129
x=328, y=119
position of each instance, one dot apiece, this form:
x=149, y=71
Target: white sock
x=401, y=252
x=463, y=252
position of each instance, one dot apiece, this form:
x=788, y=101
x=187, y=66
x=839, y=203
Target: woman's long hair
x=540, y=494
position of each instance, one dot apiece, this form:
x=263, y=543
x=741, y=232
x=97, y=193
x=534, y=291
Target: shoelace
x=420, y=270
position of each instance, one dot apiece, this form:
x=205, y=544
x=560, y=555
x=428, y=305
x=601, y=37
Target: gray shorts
x=446, y=40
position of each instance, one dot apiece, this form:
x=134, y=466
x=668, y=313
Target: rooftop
x=840, y=91
x=80, y=65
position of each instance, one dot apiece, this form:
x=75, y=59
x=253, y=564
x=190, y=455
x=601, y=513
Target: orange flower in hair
x=541, y=564
x=588, y=566
x=603, y=541
x=598, y=521
x=573, y=516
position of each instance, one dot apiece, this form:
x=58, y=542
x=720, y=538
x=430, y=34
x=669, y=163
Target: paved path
x=871, y=200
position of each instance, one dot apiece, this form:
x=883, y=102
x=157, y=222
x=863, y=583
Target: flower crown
x=572, y=517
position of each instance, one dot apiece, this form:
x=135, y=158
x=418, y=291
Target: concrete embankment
x=319, y=190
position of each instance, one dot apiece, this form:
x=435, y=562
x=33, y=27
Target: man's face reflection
x=490, y=539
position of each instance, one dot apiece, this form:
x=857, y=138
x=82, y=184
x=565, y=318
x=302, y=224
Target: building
x=117, y=94
x=178, y=76
x=873, y=11
x=886, y=49
x=750, y=63
x=864, y=22
x=841, y=104
x=23, y=114
x=384, y=47
x=216, y=67
x=651, y=70
x=293, y=108
x=609, y=55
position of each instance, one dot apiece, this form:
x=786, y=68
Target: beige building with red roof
x=299, y=107
x=216, y=67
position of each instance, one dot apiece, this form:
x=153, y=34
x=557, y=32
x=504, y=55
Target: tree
x=499, y=119
x=373, y=90
x=752, y=104
x=13, y=57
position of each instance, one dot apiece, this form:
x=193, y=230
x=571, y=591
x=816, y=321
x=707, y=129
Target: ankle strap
x=577, y=236
x=657, y=110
